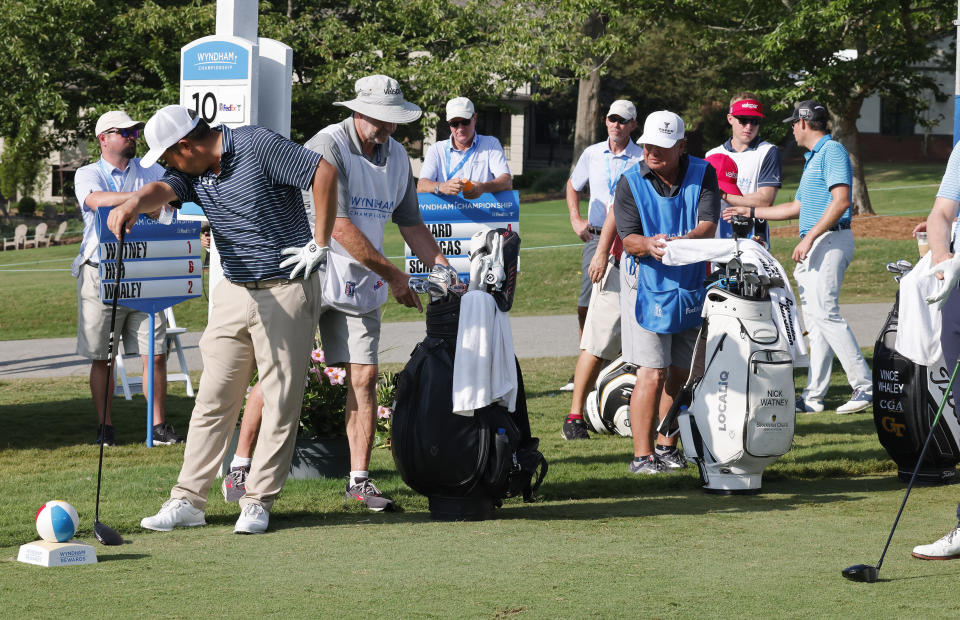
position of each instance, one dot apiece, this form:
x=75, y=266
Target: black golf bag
x=906, y=397
x=465, y=465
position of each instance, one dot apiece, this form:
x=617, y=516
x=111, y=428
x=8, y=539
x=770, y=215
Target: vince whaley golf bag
x=741, y=415
x=905, y=400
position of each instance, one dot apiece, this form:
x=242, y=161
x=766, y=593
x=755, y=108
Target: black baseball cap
x=808, y=110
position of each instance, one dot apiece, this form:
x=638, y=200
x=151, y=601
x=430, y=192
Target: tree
x=800, y=45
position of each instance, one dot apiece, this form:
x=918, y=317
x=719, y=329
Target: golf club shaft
x=110, y=357
x=923, y=453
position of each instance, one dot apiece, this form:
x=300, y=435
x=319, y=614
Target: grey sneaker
x=672, y=459
x=364, y=491
x=174, y=513
x=858, y=402
x=649, y=465
x=253, y=520
x=234, y=484
x=164, y=435
x=574, y=429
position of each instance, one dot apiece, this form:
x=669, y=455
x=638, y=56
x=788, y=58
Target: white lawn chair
x=19, y=238
x=129, y=385
x=39, y=236
x=56, y=238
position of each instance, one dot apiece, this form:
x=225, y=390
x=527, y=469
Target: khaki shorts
x=93, y=322
x=349, y=338
x=601, y=329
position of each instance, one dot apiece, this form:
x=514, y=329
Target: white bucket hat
x=663, y=129
x=380, y=97
x=164, y=129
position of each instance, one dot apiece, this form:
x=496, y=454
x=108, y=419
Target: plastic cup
x=922, y=246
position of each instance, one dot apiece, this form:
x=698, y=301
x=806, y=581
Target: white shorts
x=93, y=322
x=601, y=329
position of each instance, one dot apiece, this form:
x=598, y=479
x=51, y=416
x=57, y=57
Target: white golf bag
x=741, y=414
x=607, y=409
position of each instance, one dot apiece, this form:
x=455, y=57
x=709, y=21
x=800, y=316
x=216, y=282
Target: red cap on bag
x=747, y=107
x=726, y=173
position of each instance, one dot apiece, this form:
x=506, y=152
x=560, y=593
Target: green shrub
x=541, y=180
x=27, y=206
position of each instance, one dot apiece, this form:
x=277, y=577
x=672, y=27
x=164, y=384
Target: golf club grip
x=923, y=453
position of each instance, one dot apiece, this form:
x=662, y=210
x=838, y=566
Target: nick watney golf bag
x=905, y=401
x=465, y=465
x=737, y=417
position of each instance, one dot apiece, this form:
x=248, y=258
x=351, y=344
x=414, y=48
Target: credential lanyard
x=615, y=178
x=111, y=181
x=466, y=156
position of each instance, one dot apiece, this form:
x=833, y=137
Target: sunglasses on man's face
x=747, y=120
x=125, y=133
x=617, y=120
x=456, y=124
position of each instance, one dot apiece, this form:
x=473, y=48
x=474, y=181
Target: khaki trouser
x=270, y=329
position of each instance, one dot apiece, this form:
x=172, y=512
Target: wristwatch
x=436, y=190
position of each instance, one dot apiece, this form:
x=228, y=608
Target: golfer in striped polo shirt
x=248, y=181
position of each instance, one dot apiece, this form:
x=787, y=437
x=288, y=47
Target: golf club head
x=904, y=265
x=106, y=535
x=742, y=226
x=893, y=268
x=860, y=572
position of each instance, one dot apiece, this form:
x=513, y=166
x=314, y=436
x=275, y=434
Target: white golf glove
x=951, y=273
x=304, y=259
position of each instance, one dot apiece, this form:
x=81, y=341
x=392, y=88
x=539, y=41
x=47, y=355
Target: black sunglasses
x=125, y=133
x=456, y=124
x=748, y=120
x=617, y=120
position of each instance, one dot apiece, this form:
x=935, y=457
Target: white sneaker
x=947, y=548
x=569, y=385
x=253, y=520
x=858, y=402
x=174, y=513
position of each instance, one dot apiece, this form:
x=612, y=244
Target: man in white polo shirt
x=466, y=156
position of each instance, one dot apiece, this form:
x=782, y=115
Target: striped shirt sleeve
x=836, y=165
x=181, y=185
x=284, y=162
x=950, y=185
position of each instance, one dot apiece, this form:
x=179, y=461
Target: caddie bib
x=375, y=192
x=669, y=298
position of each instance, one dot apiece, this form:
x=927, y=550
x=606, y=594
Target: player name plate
x=43, y=553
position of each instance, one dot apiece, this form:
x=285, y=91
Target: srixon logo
x=722, y=387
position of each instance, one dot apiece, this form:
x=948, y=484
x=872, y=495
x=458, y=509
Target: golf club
x=893, y=268
x=904, y=265
x=104, y=533
x=866, y=572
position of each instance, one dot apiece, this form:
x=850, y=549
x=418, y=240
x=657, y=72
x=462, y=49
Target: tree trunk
x=588, y=98
x=845, y=129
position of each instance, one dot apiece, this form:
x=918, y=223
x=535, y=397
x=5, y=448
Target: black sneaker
x=672, y=459
x=364, y=491
x=164, y=435
x=649, y=465
x=574, y=429
x=235, y=484
x=107, y=436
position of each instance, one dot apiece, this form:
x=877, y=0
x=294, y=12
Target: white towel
x=783, y=303
x=918, y=331
x=484, y=370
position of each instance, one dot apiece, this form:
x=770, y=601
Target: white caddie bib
x=375, y=192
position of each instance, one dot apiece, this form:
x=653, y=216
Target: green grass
x=40, y=295
x=600, y=544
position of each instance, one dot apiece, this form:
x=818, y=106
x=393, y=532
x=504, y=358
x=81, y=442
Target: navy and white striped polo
x=254, y=205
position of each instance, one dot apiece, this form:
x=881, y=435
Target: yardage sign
x=161, y=264
x=453, y=220
x=217, y=80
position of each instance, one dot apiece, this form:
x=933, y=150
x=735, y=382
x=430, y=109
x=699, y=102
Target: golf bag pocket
x=671, y=311
x=770, y=406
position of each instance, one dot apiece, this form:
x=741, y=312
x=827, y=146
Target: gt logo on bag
x=892, y=426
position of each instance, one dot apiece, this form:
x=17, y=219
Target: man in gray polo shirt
x=375, y=184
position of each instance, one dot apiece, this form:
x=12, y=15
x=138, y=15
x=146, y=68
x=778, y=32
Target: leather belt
x=595, y=230
x=258, y=284
x=92, y=264
x=840, y=226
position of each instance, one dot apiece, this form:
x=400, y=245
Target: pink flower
x=317, y=356
x=335, y=375
x=384, y=412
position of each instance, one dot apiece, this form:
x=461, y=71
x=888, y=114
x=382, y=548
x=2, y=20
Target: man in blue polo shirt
x=248, y=181
x=825, y=250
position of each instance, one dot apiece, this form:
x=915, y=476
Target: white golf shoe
x=253, y=520
x=947, y=548
x=174, y=513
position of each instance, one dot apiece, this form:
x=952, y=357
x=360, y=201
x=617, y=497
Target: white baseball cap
x=164, y=129
x=115, y=119
x=624, y=109
x=460, y=107
x=662, y=128
x=380, y=97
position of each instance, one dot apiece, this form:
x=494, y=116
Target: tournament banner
x=161, y=263
x=453, y=220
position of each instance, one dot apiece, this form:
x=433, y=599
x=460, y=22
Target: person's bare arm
x=763, y=197
x=324, y=189
x=783, y=211
x=500, y=184
x=939, y=225
x=149, y=198
x=598, y=264
x=831, y=215
x=577, y=222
